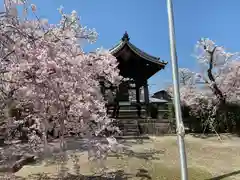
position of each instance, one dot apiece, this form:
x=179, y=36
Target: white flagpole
x=178, y=113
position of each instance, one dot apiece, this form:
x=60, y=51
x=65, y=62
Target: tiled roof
x=125, y=42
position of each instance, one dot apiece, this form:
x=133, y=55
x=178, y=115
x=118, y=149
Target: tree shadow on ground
x=142, y=174
x=147, y=155
x=213, y=135
x=71, y=144
x=225, y=175
x=132, y=142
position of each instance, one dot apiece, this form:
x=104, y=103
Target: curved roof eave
x=144, y=55
x=137, y=51
x=117, y=47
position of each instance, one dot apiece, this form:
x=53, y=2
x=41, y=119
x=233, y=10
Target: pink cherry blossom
x=206, y=92
x=45, y=68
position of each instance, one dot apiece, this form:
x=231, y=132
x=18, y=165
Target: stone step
x=128, y=120
x=128, y=124
x=128, y=111
x=129, y=115
x=129, y=127
x=140, y=137
x=130, y=133
x=126, y=131
x=130, y=108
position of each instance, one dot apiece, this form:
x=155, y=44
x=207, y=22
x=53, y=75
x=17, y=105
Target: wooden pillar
x=146, y=97
x=137, y=94
x=138, y=101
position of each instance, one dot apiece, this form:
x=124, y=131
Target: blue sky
x=147, y=26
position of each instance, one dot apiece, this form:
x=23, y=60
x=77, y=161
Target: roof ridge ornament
x=125, y=37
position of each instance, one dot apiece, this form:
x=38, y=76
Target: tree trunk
x=221, y=98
